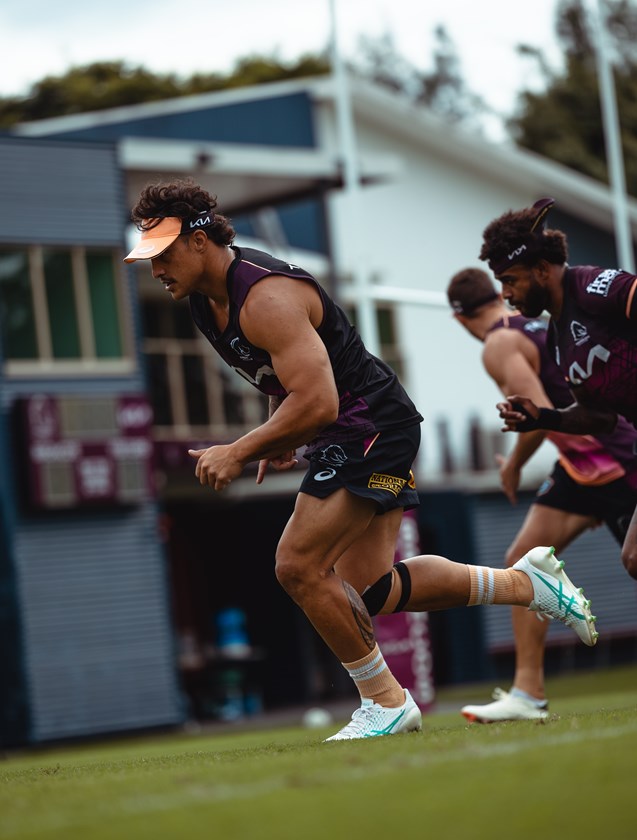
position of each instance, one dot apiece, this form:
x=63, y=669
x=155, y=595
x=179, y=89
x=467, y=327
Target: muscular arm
x=283, y=461
x=583, y=417
x=513, y=362
x=280, y=316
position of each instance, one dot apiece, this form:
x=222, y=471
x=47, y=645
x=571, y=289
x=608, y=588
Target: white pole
x=365, y=309
x=612, y=136
x=396, y=294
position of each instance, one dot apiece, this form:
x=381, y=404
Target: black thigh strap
x=405, y=579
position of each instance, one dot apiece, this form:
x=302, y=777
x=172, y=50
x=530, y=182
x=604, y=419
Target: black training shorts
x=612, y=503
x=378, y=469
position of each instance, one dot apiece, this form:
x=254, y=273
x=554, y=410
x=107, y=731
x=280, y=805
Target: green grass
x=570, y=777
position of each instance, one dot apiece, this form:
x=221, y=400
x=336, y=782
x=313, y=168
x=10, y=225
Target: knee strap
x=405, y=579
x=376, y=595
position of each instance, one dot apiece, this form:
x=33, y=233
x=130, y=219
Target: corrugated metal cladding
x=13, y=389
x=99, y=654
x=592, y=562
x=55, y=192
x=273, y=121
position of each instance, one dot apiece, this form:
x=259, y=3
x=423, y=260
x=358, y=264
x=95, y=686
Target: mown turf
x=571, y=777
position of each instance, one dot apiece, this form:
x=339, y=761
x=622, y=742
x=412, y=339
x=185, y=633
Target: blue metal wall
x=282, y=121
x=272, y=121
x=85, y=628
x=60, y=193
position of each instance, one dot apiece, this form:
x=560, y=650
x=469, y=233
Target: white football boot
x=505, y=707
x=372, y=720
x=554, y=596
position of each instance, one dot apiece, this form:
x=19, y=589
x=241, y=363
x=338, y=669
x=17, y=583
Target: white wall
x=416, y=231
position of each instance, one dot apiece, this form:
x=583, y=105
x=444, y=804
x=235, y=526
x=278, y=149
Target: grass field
x=570, y=777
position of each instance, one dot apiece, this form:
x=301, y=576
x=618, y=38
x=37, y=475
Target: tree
x=443, y=90
x=110, y=84
x=564, y=121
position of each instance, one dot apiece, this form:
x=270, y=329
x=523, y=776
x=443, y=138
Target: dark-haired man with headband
x=594, y=480
x=592, y=330
x=276, y=326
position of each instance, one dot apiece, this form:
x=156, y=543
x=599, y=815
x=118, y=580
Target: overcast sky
x=39, y=37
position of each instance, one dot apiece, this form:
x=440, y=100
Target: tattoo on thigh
x=361, y=616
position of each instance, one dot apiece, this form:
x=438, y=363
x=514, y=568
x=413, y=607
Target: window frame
x=88, y=363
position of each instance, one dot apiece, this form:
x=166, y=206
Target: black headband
x=530, y=245
x=467, y=308
x=204, y=219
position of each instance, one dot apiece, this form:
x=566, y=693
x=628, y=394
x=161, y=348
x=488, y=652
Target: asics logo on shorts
x=324, y=475
x=545, y=486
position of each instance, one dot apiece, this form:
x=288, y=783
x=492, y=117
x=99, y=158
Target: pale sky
x=39, y=37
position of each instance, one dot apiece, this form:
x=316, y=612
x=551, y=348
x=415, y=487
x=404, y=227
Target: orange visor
x=155, y=240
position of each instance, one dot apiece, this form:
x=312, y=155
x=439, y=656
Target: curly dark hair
x=505, y=233
x=182, y=199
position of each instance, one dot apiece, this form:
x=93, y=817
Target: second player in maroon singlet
x=593, y=334
x=594, y=338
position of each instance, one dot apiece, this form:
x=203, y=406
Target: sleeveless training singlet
x=594, y=341
x=588, y=460
x=371, y=398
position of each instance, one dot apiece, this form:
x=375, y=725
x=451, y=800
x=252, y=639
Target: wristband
x=548, y=418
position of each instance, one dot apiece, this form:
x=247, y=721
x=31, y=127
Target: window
x=193, y=392
x=386, y=325
x=61, y=310
x=60, y=303
x=16, y=302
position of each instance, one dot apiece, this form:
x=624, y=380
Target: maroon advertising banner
x=404, y=637
x=87, y=450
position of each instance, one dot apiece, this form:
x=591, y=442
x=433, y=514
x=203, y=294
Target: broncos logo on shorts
x=333, y=455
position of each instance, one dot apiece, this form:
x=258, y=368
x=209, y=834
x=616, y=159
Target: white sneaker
x=506, y=707
x=554, y=596
x=372, y=720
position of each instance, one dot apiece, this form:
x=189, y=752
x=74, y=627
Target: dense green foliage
x=110, y=84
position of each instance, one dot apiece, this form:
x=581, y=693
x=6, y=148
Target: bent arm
x=586, y=418
x=513, y=362
x=280, y=320
x=520, y=414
